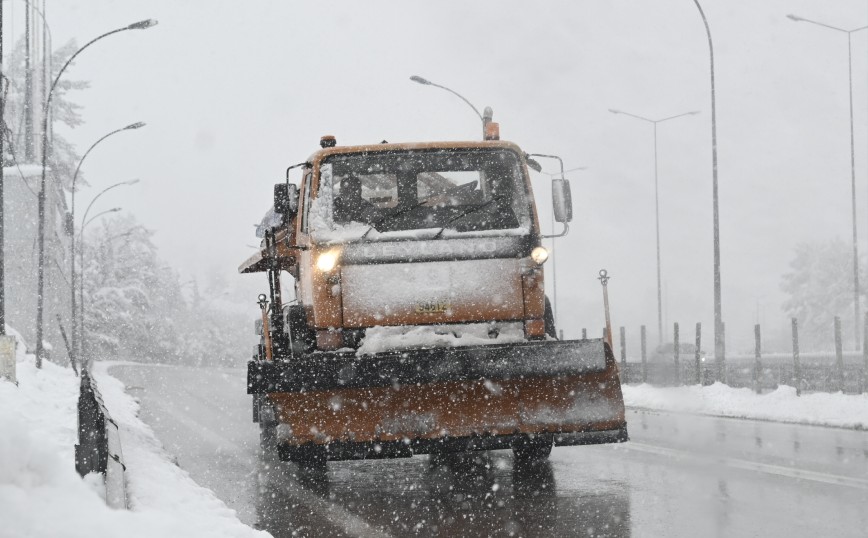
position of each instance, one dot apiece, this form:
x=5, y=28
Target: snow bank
x=782, y=405
x=41, y=495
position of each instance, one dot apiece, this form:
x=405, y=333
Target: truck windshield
x=462, y=190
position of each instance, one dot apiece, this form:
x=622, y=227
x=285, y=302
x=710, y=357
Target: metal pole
x=856, y=307
x=607, y=330
x=797, y=364
x=657, y=227
x=719, y=348
x=757, y=365
x=677, y=353
x=644, y=356
x=28, y=90
x=2, y=195
x=697, y=352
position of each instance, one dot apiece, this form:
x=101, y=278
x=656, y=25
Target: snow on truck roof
x=318, y=156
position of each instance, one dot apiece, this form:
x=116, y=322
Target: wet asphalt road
x=679, y=475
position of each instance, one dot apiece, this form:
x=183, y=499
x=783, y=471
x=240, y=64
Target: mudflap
x=339, y=406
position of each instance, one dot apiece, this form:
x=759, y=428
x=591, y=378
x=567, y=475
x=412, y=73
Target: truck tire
x=550, y=320
x=268, y=439
x=532, y=450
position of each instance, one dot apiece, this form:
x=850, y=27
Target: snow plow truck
x=419, y=322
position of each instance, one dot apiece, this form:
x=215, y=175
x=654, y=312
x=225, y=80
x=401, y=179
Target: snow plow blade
x=396, y=404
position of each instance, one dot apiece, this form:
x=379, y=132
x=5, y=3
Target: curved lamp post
x=84, y=223
x=73, y=309
x=85, y=365
x=484, y=118
x=656, y=209
x=141, y=25
x=718, y=309
x=856, y=290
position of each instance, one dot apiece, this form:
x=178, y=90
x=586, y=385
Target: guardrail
x=99, y=444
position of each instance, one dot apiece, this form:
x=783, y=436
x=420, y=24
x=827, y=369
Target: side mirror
x=286, y=200
x=562, y=200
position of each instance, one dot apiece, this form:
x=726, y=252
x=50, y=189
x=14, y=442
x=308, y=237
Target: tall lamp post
x=849, y=33
x=73, y=309
x=85, y=222
x=485, y=118
x=40, y=279
x=85, y=365
x=656, y=209
x=718, y=308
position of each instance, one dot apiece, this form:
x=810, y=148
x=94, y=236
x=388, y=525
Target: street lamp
x=484, y=118
x=856, y=305
x=656, y=209
x=85, y=364
x=85, y=222
x=718, y=308
x=132, y=126
x=141, y=25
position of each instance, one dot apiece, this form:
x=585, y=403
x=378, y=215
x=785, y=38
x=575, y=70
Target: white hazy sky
x=233, y=92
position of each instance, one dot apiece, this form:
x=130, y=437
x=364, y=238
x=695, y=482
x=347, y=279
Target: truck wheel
x=550, y=320
x=532, y=450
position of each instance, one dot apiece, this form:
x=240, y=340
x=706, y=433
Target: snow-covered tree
x=820, y=287
x=136, y=307
x=62, y=155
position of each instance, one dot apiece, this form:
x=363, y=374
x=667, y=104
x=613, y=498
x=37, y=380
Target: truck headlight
x=327, y=260
x=539, y=255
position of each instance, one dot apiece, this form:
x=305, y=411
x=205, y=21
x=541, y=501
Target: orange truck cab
x=420, y=322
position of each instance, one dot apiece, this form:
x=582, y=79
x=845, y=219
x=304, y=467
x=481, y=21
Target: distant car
x=666, y=352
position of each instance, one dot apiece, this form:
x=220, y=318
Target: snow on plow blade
x=399, y=403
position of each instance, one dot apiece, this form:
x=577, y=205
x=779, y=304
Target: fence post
x=624, y=355
x=676, y=354
x=644, y=357
x=839, y=356
x=721, y=362
x=797, y=365
x=865, y=357
x=584, y=333
x=757, y=365
x=697, y=357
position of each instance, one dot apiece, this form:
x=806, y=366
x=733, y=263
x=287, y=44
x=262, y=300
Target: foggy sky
x=233, y=92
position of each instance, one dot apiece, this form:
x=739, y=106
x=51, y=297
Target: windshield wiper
x=470, y=211
x=391, y=216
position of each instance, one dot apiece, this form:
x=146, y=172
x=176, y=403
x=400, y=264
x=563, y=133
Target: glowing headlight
x=539, y=255
x=327, y=260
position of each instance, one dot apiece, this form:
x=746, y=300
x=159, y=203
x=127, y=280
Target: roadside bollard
x=865, y=357
x=624, y=355
x=839, y=356
x=644, y=357
x=697, y=358
x=677, y=351
x=797, y=365
x=584, y=333
x=757, y=365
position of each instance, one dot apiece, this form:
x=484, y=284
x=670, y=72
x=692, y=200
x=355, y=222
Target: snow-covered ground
x=782, y=405
x=41, y=495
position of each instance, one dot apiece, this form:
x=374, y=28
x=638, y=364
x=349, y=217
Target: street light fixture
x=41, y=213
x=719, y=347
x=485, y=118
x=85, y=364
x=85, y=222
x=856, y=306
x=656, y=209
x=73, y=309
